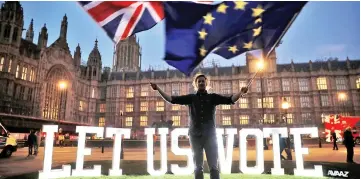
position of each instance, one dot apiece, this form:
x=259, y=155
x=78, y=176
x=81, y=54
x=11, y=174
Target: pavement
x=135, y=160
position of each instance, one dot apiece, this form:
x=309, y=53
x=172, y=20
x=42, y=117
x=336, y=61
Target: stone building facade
x=31, y=74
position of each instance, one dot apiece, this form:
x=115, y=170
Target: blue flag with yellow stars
x=227, y=29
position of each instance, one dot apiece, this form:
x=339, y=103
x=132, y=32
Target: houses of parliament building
x=45, y=82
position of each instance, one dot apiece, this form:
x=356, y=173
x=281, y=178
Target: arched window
x=15, y=34
x=7, y=31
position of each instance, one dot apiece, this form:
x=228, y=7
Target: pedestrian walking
x=334, y=140
x=202, y=128
x=31, y=142
x=37, y=144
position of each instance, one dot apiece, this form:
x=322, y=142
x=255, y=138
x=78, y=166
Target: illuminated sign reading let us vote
x=224, y=160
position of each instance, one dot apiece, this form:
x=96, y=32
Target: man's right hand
x=154, y=86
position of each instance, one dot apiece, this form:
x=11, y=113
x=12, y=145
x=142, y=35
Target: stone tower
x=94, y=65
x=127, y=55
x=12, y=23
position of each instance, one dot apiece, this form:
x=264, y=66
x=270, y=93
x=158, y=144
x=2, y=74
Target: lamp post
x=342, y=98
x=285, y=106
x=260, y=67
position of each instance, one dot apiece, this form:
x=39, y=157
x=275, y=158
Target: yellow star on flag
x=257, y=31
x=233, y=49
x=257, y=11
x=202, y=34
x=240, y=5
x=202, y=51
x=248, y=45
x=259, y=20
x=208, y=19
x=222, y=8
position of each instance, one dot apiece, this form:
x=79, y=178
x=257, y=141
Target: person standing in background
x=349, y=144
x=31, y=142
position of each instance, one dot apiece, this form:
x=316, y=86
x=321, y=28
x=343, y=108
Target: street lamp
x=285, y=106
x=260, y=67
x=342, y=98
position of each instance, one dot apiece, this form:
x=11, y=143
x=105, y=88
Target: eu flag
x=227, y=29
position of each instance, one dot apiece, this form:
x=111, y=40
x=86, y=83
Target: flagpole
x=265, y=56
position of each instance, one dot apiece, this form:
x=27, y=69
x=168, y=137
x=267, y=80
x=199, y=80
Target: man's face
x=201, y=83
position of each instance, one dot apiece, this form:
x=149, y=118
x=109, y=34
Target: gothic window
x=128, y=121
x=101, y=122
x=321, y=83
x=243, y=119
x=176, y=120
x=15, y=34
x=30, y=94
x=144, y=106
x=143, y=120
x=7, y=31
x=226, y=121
x=2, y=63
x=10, y=63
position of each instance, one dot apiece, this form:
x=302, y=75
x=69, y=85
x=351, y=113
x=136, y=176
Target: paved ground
x=19, y=163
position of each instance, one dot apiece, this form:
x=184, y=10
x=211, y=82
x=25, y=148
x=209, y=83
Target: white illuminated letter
x=117, y=148
x=48, y=156
x=79, y=169
x=299, y=151
x=163, y=151
x=276, y=170
x=225, y=162
x=189, y=169
x=259, y=168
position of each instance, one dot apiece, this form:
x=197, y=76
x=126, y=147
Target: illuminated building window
x=10, y=63
x=324, y=100
x=143, y=106
x=303, y=84
x=129, y=121
x=160, y=106
x=102, y=108
x=25, y=71
x=243, y=119
x=2, y=63
x=81, y=105
x=176, y=120
x=226, y=87
x=341, y=83
x=31, y=77
x=286, y=85
x=144, y=90
x=321, y=83
x=226, y=121
x=288, y=99
x=129, y=108
x=225, y=107
x=358, y=83
x=101, y=122
x=289, y=118
x=243, y=103
x=130, y=92
x=175, y=107
x=143, y=120
x=267, y=102
x=17, y=71
x=305, y=102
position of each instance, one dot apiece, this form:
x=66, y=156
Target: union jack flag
x=121, y=19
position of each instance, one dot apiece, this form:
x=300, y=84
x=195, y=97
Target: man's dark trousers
x=210, y=146
x=349, y=153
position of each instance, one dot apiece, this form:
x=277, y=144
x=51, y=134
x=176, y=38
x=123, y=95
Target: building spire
x=30, y=32
x=64, y=27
